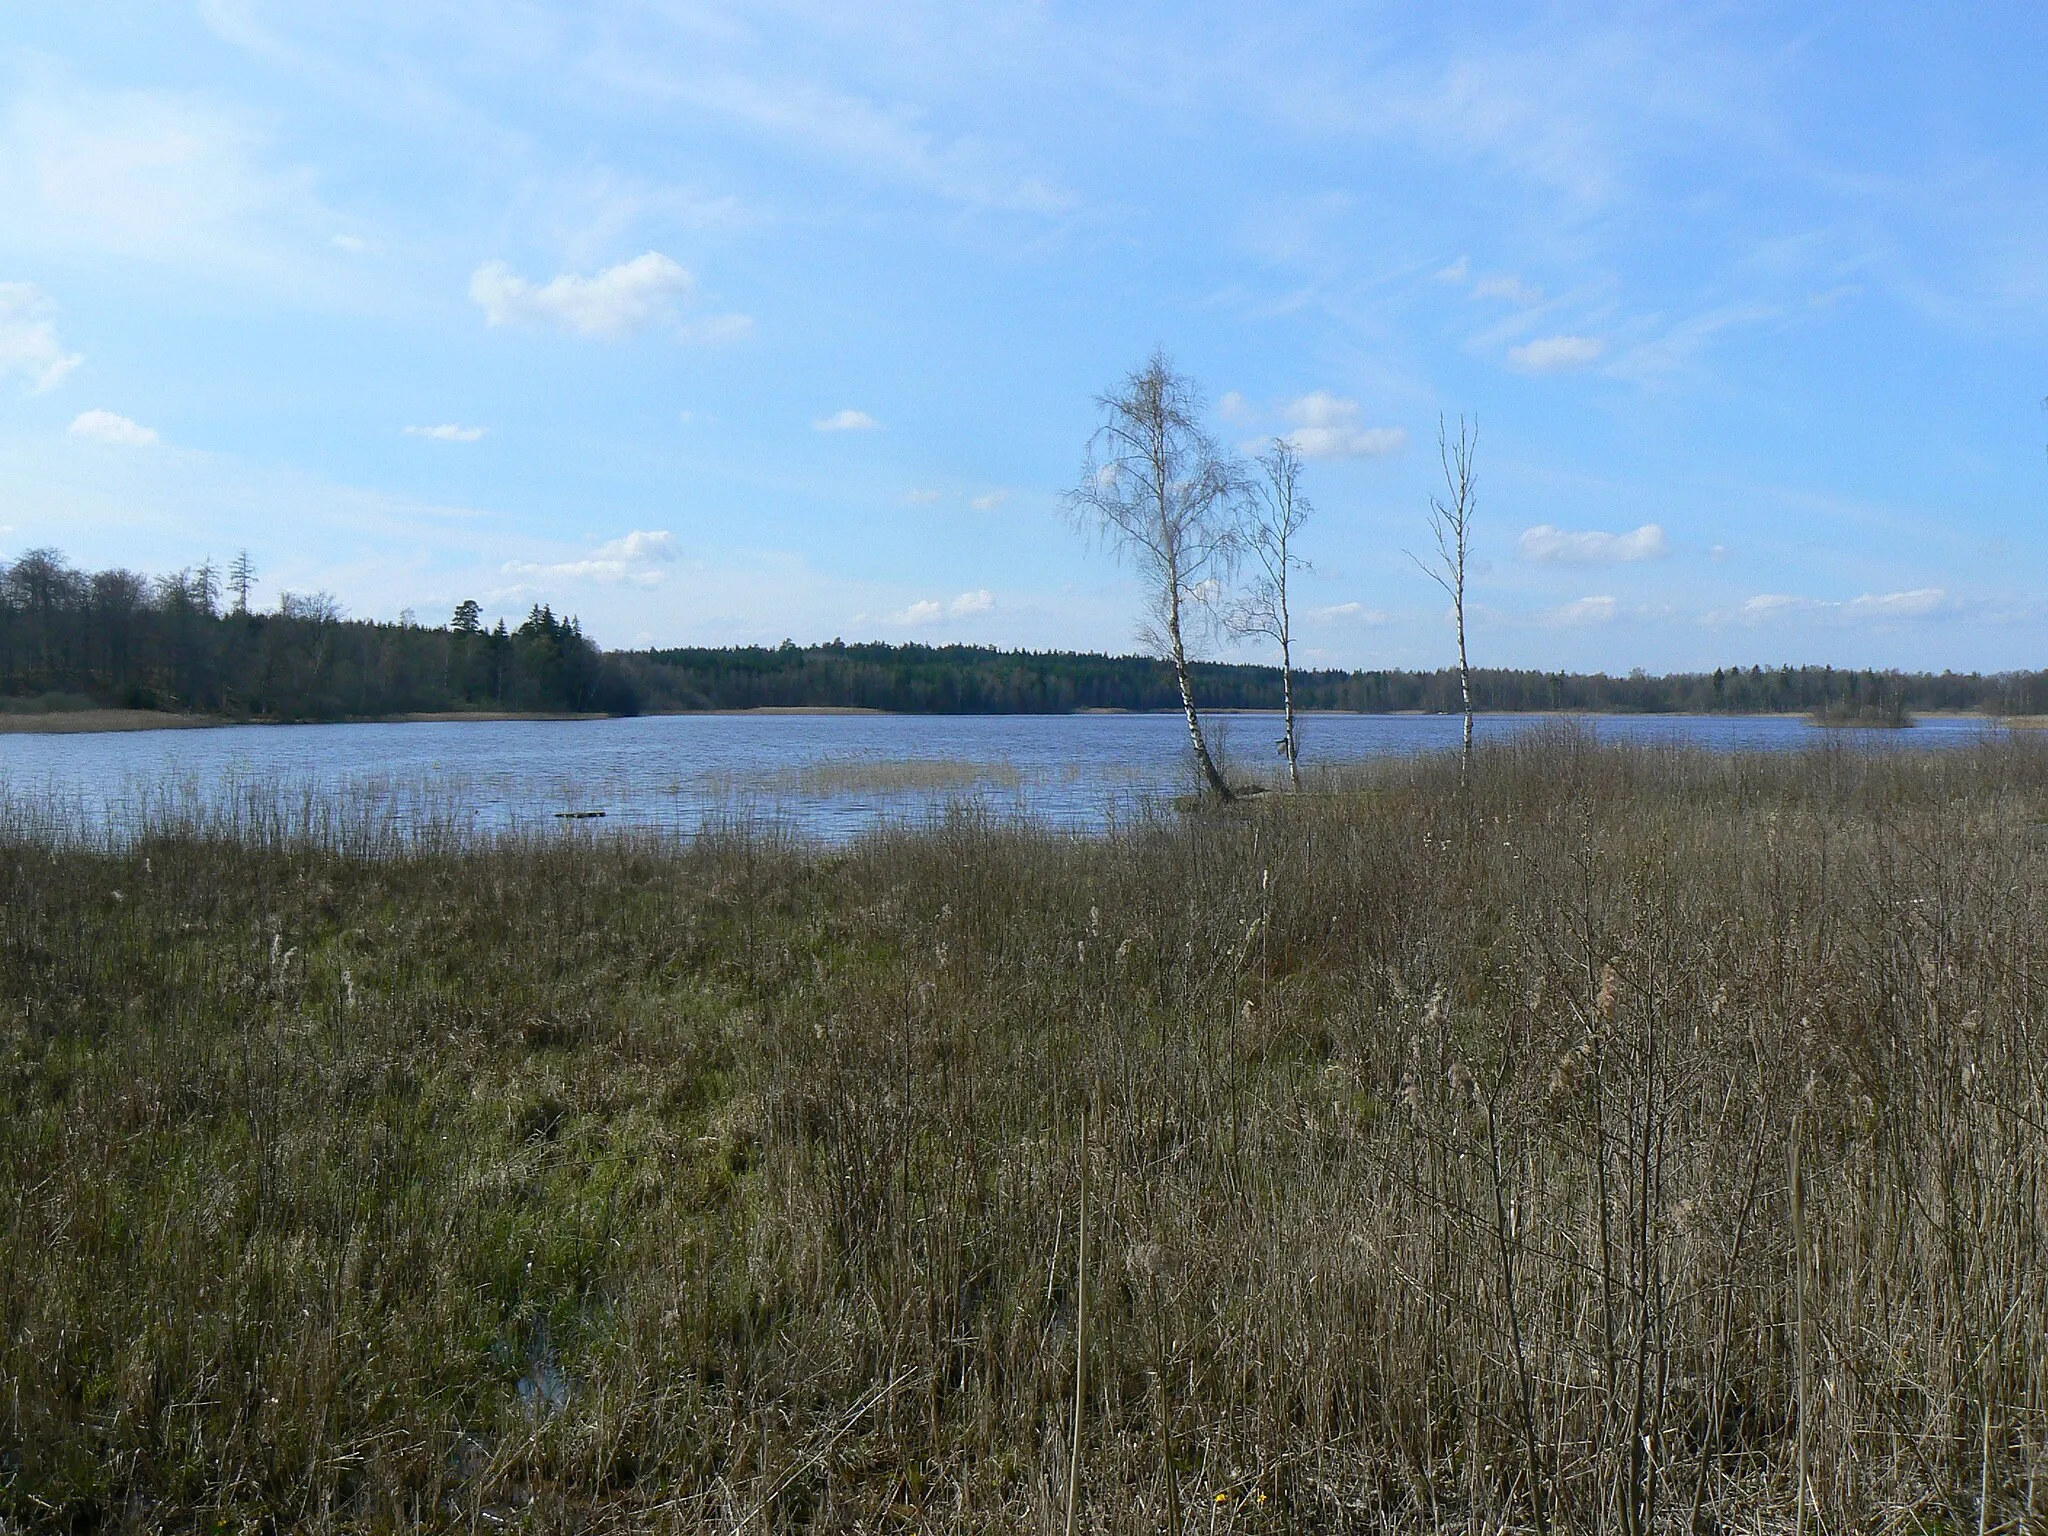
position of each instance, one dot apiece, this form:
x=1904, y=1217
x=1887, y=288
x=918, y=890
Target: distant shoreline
x=79, y=722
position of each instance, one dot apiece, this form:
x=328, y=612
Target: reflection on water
x=825, y=775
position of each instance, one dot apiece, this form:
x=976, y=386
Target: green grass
x=356, y=1178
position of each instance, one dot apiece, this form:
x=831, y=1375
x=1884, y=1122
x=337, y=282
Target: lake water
x=826, y=775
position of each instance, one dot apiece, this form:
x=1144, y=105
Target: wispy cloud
x=634, y=560
x=1348, y=613
x=105, y=427
x=922, y=497
x=848, y=420
x=1545, y=545
x=989, y=501
x=1555, y=354
x=1509, y=287
x=1583, y=611
x=1872, y=607
x=878, y=139
x=28, y=338
x=1649, y=361
x=154, y=176
x=1921, y=603
x=1566, y=109
x=647, y=293
x=449, y=432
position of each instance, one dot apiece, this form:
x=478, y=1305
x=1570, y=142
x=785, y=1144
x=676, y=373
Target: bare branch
x=1275, y=512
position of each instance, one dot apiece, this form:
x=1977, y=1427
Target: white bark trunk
x=1203, y=760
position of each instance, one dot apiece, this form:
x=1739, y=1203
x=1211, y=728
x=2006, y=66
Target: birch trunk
x=1203, y=760
x=1287, y=681
x=1464, y=680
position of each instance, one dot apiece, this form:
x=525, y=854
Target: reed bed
x=1644, y=1140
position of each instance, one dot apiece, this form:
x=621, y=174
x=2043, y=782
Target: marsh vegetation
x=1642, y=1139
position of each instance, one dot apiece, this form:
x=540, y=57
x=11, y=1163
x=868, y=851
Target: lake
x=825, y=775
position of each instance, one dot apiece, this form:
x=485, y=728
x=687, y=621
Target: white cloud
x=449, y=432
x=355, y=245
x=646, y=293
x=1348, y=613
x=1586, y=610
x=28, y=338
x=640, y=546
x=1232, y=407
x=106, y=427
x=1871, y=607
x=632, y=559
x=921, y=497
x=1326, y=427
x=1553, y=354
x=848, y=420
x=1545, y=545
x=1456, y=272
x=930, y=610
x=989, y=501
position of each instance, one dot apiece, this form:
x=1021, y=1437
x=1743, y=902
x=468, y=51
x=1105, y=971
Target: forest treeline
x=191, y=641
x=965, y=679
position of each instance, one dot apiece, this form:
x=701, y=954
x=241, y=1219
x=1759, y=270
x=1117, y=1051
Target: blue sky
x=724, y=323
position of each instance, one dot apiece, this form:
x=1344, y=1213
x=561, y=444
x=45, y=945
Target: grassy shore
x=1436, y=1154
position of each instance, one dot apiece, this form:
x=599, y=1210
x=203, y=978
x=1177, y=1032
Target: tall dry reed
x=1436, y=1166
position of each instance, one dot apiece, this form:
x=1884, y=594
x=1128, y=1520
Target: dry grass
x=77, y=721
x=1437, y=1164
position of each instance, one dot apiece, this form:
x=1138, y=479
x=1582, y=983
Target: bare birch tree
x=1160, y=493
x=1276, y=512
x=1450, y=523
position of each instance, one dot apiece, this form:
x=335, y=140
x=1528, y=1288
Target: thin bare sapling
x=1275, y=512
